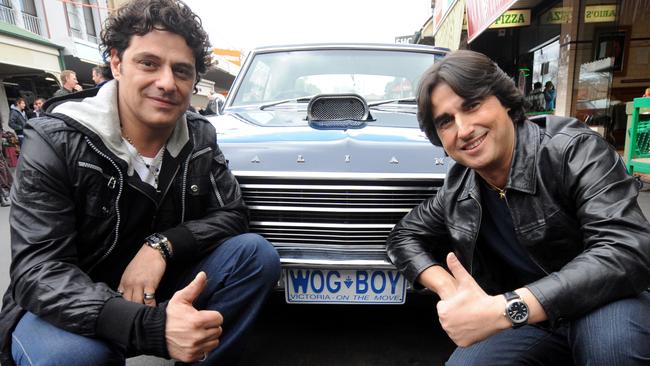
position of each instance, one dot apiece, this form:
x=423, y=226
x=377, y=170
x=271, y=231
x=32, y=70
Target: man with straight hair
x=101, y=75
x=535, y=244
x=70, y=83
x=128, y=230
x=18, y=117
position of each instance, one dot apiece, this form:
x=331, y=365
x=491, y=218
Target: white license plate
x=336, y=286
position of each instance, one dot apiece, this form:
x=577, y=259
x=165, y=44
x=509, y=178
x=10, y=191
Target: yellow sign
x=600, y=13
x=509, y=19
x=558, y=15
x=512, y=18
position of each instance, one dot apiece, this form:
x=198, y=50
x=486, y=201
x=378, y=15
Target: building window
x=73, y=20
x=89, y=19
x=6, y=12
x=30, y=18
x=28, y=7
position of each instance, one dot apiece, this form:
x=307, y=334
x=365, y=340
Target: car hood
x=252, y=144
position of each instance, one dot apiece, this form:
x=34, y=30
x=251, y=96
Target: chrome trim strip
x=340, y=248
x=313, y=224
x=357, y=264
x=339, y=175
x=337, y=187
x=328, y=209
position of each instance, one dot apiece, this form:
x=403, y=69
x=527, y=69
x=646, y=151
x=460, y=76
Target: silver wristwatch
x=161, y=244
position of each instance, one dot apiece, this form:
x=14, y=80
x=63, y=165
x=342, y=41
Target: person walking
x=18, y=118
x=549, y=95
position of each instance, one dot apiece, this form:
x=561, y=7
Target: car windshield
x=376, y=75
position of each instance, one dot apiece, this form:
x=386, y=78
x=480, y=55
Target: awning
x=22, y=49
x=482, y=13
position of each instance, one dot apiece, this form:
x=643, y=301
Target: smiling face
x=156, y=76
x=478, y=134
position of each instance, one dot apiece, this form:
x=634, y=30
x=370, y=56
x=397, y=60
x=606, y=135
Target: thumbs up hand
x=191, y=334
x=467, y=313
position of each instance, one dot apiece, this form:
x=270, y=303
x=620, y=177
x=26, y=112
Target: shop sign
x=405, y=39
x=509, y=19
x=482, y=13
x=558, y=15
x=600, y=13
x=512, y=18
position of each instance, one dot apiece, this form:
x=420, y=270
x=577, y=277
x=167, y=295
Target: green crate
x=638, y=155
x=643, y=140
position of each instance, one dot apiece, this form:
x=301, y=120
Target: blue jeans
x=615, y=334
x=241, y=272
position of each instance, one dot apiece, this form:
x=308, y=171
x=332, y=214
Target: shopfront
x=596, y=53
x=29, y=66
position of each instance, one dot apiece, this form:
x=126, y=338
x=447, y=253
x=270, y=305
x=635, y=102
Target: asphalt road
x=316, y=335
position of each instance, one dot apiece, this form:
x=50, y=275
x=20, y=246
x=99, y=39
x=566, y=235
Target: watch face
x=517, y=311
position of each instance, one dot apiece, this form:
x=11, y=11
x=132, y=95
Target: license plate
x=335, y=286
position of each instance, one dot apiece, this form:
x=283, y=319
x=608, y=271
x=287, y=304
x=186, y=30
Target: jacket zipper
x=216, y=190
x=185, y=169
x=117, y=202
x=480, y=218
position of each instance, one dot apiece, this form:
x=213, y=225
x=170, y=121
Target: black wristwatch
x=516, y=309
x=161, y=244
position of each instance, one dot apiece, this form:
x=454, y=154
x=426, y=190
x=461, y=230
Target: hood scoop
x=337, y=111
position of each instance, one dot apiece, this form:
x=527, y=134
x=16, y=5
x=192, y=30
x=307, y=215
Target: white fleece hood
x=100, y=115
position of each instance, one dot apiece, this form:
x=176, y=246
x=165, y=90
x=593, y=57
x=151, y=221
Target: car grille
x=327, y=214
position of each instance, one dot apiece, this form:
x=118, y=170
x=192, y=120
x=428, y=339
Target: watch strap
x=512, y=296
x=161, y=243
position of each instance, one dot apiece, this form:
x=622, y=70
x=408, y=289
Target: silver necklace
x=155, y=166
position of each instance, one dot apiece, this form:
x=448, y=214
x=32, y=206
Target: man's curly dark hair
x=139, y=17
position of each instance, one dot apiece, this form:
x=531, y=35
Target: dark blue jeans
x=241, y=272
x=615, y=334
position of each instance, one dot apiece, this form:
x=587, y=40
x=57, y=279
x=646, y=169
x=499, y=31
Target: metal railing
x=33, y=24
x=7, y=14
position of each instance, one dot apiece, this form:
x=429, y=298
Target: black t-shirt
x=508, y=262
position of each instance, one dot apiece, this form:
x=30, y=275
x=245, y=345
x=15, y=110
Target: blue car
x=325, y=144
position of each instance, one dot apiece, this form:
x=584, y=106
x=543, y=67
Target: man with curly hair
x=128, y=230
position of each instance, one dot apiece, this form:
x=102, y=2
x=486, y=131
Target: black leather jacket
x=573, y=206
x=68, y=212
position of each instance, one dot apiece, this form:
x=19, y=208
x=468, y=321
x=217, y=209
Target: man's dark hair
x=104, y=71
x=472, y=76
x=139, y=17
x=537, y=85
x=18, y=100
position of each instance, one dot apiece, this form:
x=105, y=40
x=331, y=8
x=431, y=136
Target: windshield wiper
x=298, y=100
x=408, y=100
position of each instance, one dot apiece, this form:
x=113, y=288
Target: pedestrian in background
x=549, y=95
x=101, y=75
x=535, y=243
x=38, y=108
x=128, y=230
x=535, y=99
x=70, y=83
x=18, y=117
